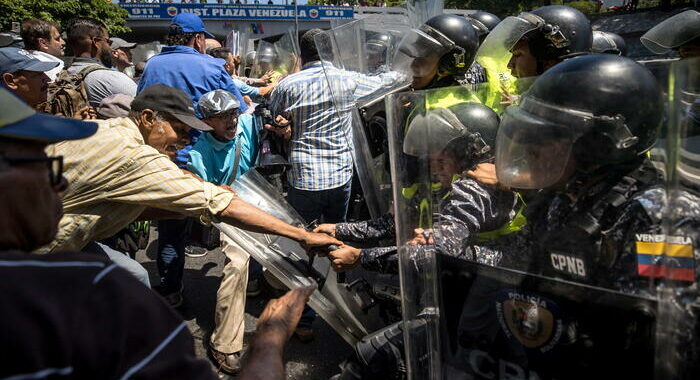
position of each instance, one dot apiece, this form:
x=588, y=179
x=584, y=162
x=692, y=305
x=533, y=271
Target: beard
x=106, y=58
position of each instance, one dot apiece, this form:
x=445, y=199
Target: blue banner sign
x=238, y=11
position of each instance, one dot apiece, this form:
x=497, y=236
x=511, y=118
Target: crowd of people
x=93, y=146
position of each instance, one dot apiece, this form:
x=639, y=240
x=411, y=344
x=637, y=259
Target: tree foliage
x=60, y=11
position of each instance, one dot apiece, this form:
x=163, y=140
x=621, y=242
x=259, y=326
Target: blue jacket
x=187, y=69
x=194, y=73
x=213, y=160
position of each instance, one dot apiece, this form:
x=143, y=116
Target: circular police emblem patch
x=532, y=320
x=313, y=13
x=172, y=11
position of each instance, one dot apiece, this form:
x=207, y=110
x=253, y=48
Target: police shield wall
x=538, y=277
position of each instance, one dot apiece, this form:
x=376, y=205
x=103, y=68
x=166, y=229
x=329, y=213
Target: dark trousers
x=172, y=234
x=322, y=206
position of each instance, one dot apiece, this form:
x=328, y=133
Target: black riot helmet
x=608, y=43
x=266, y=53
x=673, y=33
x=465, y=130
x=598, y=109
x=483, y=22
x=448, y=36
x=379, y=47
x=562, y=32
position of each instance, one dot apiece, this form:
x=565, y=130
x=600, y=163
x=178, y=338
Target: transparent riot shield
x=281, y=57
x=494, y=54
x=240, y=44
x=420, y=11
x=365, y=52
x=482, y=296
x=348, y=308
x=678, y=351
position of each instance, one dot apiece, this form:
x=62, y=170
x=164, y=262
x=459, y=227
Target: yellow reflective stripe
x=409, y=192
x=515, y=225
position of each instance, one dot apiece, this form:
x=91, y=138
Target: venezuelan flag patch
x=671, y=258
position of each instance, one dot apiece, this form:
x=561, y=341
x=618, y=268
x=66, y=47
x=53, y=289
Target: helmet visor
x=431, y=133
x=506, y=34
x=425, y=42
x=531, y=152
x=673, y=33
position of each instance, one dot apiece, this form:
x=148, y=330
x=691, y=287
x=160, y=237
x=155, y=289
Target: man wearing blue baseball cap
x=183, y=64
x=25, y=75
x=78, y=316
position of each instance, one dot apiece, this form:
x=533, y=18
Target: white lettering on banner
x=569, y=264
x=197, y=11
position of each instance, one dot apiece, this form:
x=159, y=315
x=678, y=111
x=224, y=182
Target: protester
x=43, y=40
x=89, y=40
x=183, y=65
x=92, y=320
x=321, y=140
x=121, y=53
x=25, y=75
x=126, y=168
x=219, y=157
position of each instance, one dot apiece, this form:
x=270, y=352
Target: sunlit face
x=225, y=125
x=424, y=71
x=31, y=86
x=168, y=136
x=522, y=64
x=55, y=44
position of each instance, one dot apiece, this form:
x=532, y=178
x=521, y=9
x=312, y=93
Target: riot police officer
x=680, y=33
x=585, y=146
x=453, y=139
x=379, y=48
x=484, y=22
x=608, y=43
x=442, y=49
x=548, y=35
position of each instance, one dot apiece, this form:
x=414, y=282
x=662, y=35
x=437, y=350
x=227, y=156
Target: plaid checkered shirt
x=319, y=101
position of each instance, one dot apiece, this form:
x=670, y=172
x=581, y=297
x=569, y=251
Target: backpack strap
x=82, y=74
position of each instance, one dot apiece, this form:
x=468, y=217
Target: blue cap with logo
x=19, y=121
x=190, y=23
x=14, y=59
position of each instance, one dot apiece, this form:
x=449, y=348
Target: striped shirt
x=77, y=316
x=114, y=176
x=319, y=101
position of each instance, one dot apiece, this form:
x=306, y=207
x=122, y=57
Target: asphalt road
x=318, y=359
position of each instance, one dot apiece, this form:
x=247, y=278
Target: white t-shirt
x=44, y=57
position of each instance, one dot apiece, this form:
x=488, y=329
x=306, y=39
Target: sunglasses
x=54, y=164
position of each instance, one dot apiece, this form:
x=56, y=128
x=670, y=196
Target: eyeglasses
x=55, y=165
